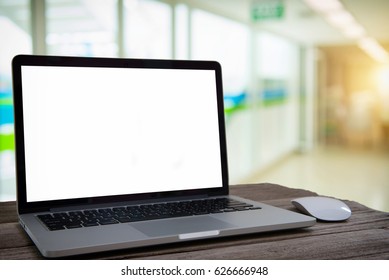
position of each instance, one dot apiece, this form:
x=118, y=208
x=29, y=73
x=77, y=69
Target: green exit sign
x=267, y=10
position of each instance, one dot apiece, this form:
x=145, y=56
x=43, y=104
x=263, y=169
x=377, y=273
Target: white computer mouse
x=323, y=208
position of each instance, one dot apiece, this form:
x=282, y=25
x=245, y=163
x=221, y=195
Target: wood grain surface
x=364, y=236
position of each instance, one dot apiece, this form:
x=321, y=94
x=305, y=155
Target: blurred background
x=306, y=81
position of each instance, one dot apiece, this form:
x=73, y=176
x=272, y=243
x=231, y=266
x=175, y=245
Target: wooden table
x=364, y=236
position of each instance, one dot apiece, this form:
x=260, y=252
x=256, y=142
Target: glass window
x=81, y=27
x=16, y=39
x=148, y=29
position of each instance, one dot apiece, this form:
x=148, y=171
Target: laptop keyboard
x=127, y=214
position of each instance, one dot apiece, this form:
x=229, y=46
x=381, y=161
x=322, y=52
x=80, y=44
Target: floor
x=359, y=175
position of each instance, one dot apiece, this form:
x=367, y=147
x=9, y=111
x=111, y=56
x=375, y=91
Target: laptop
x=123, y=153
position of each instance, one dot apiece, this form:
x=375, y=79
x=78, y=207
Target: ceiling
x=300, y=23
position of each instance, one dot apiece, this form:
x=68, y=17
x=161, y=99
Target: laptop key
x=73, y=226
x=45, y=216
x=56, y=227
x=108, y=221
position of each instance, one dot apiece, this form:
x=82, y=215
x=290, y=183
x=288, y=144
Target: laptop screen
x=103, y=131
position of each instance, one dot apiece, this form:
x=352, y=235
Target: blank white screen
x=108, y=131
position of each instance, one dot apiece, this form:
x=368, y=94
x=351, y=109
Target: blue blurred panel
x=274, y=92
x=6, y=114
x=234, y=102
x=6, y=106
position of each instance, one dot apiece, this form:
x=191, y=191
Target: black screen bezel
x=34, y=60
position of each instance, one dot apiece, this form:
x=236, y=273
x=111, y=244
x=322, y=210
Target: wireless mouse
x=323, y=208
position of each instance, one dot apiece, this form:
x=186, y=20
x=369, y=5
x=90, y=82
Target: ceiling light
x=324, y=6
x=339, y=18
x=375, y=50
x=354, y=31
x=336, y=15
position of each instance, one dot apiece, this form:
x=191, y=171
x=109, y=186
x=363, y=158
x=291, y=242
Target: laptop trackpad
x=183, y=226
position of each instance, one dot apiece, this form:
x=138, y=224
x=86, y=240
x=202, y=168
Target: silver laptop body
x=107, y=136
